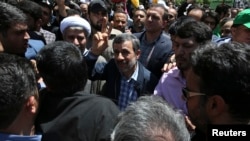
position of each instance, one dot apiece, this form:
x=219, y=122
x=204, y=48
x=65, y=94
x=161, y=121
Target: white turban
x=75, y=21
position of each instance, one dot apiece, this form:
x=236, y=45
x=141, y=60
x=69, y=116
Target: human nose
x=26, y=36
x=179, y=50
x=149, y=18
x=119, y=56
x=76, y=42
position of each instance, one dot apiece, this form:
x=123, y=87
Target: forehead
x=139, y=12
x=190, y=40
x=155, y=10
x=227, y=24
x=74, y=30
x=120, y=15
x=125, y=45
x=18, y=26
x=172, y=11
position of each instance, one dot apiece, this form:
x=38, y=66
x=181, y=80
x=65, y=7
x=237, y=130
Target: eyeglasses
x=187, y=94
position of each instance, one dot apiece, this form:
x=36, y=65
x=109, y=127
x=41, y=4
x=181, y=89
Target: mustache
x=179, y=57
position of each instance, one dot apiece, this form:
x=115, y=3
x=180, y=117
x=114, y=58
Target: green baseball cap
x=243, y=18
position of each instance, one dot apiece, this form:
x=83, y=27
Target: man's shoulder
x=14, y=137
x=115, y=32
x=223, y=40
x=92, y=98
x=147, y=74
x=44, y=31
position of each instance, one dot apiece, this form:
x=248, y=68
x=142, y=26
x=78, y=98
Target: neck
x=152, y=36
x=184, y=73
x=27, y=130
x=1, y=47
x=22, y=125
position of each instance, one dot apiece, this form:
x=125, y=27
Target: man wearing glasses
x=218, y=87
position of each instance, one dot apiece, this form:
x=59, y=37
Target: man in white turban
x=76, y=30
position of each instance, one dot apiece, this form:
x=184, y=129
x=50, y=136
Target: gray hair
x=148, y=118
x=121, y=38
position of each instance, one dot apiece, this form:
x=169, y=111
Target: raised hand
x=100, y=39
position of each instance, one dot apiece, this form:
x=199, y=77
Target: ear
x=216, y=106
x=39, y=23
x=32, y=105
x=138, y=53
x=164, y=23
x=1, y=47
x=233, y=30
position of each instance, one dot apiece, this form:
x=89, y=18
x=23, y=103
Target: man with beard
x=13, y=30
x=172, y=16
x=139, y=18
x=217, y=91
x=188, y=37
x=126, y=78
x=98, y=12
x=76, y=30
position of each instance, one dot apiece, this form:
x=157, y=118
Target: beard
x=97, y=26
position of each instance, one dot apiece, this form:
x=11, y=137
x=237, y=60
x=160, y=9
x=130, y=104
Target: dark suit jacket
x=145, y=85
x=78, y=117
x=160, y=56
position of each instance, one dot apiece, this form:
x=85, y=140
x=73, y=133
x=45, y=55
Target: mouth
x=179, y=58
x=121, y=64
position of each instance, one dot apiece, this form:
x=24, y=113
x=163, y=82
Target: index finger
x=110, y=28
x=104, y=25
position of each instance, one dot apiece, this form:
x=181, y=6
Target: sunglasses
x=187, y=94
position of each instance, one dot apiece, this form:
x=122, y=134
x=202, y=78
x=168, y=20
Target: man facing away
x=67, y=112
x=18, y=99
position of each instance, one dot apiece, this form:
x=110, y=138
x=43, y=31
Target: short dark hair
x=31, y=8
x=10, y=15
x=62, y=67
x=222, y=9
x=18, y=83
x=201, y=32
x=213, y=15
x=181, y=21
x=225, y=70
x=165, y=15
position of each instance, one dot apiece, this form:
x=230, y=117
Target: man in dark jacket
x=126, y=78
x=66, y=111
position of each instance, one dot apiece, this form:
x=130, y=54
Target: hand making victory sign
x=100, y=39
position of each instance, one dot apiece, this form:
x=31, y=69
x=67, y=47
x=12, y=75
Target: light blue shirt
x=13, y=137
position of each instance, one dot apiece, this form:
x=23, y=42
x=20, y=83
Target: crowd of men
x=94, y=71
